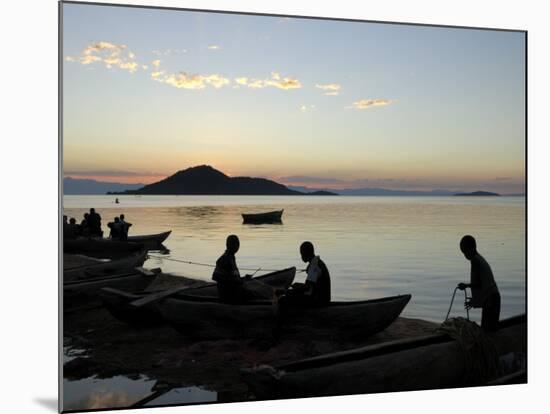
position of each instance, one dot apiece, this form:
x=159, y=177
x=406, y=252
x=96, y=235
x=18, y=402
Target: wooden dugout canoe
x=98, y=247
x=209, y=319
x=117, y=302
x=430, y=362
x=101, y=247
x=150, y=239
x=259, y=218
x=104, y=268
x=88, y=289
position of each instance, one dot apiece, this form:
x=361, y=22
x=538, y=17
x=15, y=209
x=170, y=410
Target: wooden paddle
x=138, y=303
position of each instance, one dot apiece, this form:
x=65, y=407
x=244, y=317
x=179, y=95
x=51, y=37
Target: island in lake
x=479, y=194
x=206, y=180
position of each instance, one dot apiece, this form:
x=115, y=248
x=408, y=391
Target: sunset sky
x=304, y=102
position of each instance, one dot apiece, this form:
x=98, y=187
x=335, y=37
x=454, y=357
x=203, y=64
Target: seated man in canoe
x=316, y=290
x=485, y=294
x=233, y=288
x=116, y=229
x=125, y=227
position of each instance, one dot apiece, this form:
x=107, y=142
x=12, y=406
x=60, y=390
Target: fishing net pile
x=481, y=358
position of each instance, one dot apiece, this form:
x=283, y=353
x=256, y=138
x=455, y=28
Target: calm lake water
x=373, y=246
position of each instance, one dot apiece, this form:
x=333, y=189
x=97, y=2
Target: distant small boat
x=259, y=218
x=116, y=200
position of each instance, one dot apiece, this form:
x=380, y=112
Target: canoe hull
x=428, y=363
x=153, y=240
x=351, y=320
x=105, y=268
x=104, y=248
x=118, y=302
x=88, y=290
x=208, y=319
x=99, y=247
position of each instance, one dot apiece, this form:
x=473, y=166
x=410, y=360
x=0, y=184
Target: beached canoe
x=101, y=247
x=150, y=239
x=84, y=290
x=98, y=247
x=117, y=302
x=259, y=218
x=429, y=362
x=210, y=319
x=104, y=268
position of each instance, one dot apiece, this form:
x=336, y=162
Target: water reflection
x=184, y=395
x=123, y=392
x=92, y=393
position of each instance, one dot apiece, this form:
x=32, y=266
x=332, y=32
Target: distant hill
x=322, y=193
x=75, y=186
x=205, y=180
x=478, y=194
x=375, y=191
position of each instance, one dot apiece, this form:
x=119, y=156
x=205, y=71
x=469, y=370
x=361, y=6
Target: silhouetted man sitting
x=316, y=289
x=84, y=226
x=73, y=230
x=66, y=230
x=485, y=294
x=94, y=223
x=125, y=227
x=232, y=288
x=116, y=229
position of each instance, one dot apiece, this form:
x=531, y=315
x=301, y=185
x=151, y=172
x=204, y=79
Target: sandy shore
x=112, y=348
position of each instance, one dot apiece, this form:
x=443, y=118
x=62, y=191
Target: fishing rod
x=213, y=266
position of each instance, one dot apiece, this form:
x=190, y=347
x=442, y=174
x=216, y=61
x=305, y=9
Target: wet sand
x=113, y=348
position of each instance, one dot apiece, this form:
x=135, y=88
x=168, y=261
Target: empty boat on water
x=261, y=218
x=429, y=362
x=119, y=303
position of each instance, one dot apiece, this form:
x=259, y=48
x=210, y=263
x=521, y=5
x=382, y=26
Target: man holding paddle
x=233, y=288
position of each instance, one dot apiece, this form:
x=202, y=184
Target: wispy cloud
x=118, y=55
x=183, y=80
x=307, y=108
x=168, y=52
x=275, y=81
x=110, y=54
x=331, y=89
x=370, y=103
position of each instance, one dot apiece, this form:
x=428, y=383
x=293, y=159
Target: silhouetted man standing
x=485, y=294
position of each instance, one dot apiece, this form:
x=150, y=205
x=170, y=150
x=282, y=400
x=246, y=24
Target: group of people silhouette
x=316, y=291
x=90, y=226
